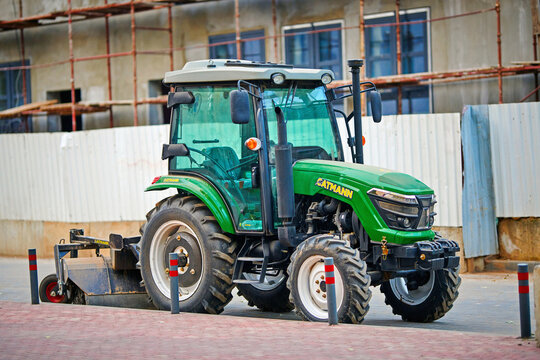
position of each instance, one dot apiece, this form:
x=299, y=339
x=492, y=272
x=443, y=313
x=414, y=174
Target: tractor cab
x=225, y=151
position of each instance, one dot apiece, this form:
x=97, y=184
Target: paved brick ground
x=89, y=332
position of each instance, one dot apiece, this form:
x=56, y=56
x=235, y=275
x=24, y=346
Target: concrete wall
x=20, y=235
x=519, y=238
x=460, y=43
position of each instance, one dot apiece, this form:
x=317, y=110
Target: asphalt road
x=488, y=302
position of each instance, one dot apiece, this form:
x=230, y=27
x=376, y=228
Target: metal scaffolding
x=133, y=7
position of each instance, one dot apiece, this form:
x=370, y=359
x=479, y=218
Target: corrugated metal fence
x=515, y=150
x=97, y=175
x=100, y=175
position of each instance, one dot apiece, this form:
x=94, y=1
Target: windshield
x=310, y=128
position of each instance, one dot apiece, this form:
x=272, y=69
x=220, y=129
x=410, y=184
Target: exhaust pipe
x=284, y=181
x=355, y=66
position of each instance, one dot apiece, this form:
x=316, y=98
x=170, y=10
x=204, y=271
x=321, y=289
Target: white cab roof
x=234, y=70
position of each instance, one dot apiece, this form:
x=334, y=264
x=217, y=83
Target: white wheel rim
x=270, y=281
x=158, y=265
x=310, y=279
x=412, y=297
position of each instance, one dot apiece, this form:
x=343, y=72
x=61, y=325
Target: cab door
x=218, y=153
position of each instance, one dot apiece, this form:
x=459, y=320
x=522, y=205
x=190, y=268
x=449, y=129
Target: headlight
x=278, y=78
x=404, y=212
x=406, y=199
x=326, y=78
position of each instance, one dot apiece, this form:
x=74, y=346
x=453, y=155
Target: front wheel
x=426, y=297
x=307, y=280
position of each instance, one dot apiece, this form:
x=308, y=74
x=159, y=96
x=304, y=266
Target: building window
x=65, y=122
x=320, y=50
x=252, y=50
x=11, y=95
x=381, y=59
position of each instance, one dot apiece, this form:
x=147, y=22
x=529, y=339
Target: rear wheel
x=48, y=290
x=424, y=298
x=272, y=295
x=184, y=225
x=307, y=281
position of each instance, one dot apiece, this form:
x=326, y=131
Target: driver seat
x=226, y=157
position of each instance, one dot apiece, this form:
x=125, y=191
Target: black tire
x=272, y=300
x=209, y=274
x=46, y=289
x=430, y=307
x=349, y=267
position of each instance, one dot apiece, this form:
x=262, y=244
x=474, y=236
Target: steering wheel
x=223, y=170
x=243, y=161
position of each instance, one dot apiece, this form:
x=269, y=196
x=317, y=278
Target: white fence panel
x=515, y=148
x=97, y=175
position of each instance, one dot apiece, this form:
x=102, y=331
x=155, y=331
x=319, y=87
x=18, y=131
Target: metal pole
x=362, y=53
x=23, y=56
x=274, y=22
x=499, y=66
x=173, y=275
x=25, y=98
x=134, y=55
x=398, y=57
x=169, y=23
x=524, y=306
x=108, y=48
x=535, y=59
x=237, y=23
x=72, y=68
x=330, y=282
x=32, y=260
x=355, y=66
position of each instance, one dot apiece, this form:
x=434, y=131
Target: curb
x=497, y=265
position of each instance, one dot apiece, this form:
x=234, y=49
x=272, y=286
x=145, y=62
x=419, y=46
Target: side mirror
x=181, y=97
x=240, y=112
x=172, y=150
x=376, y=106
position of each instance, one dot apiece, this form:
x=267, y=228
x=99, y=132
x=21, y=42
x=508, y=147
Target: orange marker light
x=253, y=144
x=363, y=140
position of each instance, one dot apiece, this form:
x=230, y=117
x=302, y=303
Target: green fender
x=202, y=190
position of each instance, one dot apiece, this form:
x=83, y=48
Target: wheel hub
x=189, y=257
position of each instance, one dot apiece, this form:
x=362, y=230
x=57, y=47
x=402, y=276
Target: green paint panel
x=341, y=178
x=204, y=191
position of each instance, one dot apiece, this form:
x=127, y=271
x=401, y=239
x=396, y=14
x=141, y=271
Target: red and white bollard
x=330, y=281
x=524, y=305
x=32, y=261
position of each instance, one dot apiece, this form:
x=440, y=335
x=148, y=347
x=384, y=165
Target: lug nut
x=181, y=269
x=178, y=238
x=324, y=296
x=322, y=277
x=192, y=271
x=318, y=291
x=167, y=271
x=317, y=281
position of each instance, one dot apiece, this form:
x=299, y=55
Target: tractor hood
x=362, y=177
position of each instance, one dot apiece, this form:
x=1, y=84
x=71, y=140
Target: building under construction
x=87, y=64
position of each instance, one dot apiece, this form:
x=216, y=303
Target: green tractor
x=264, y=195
